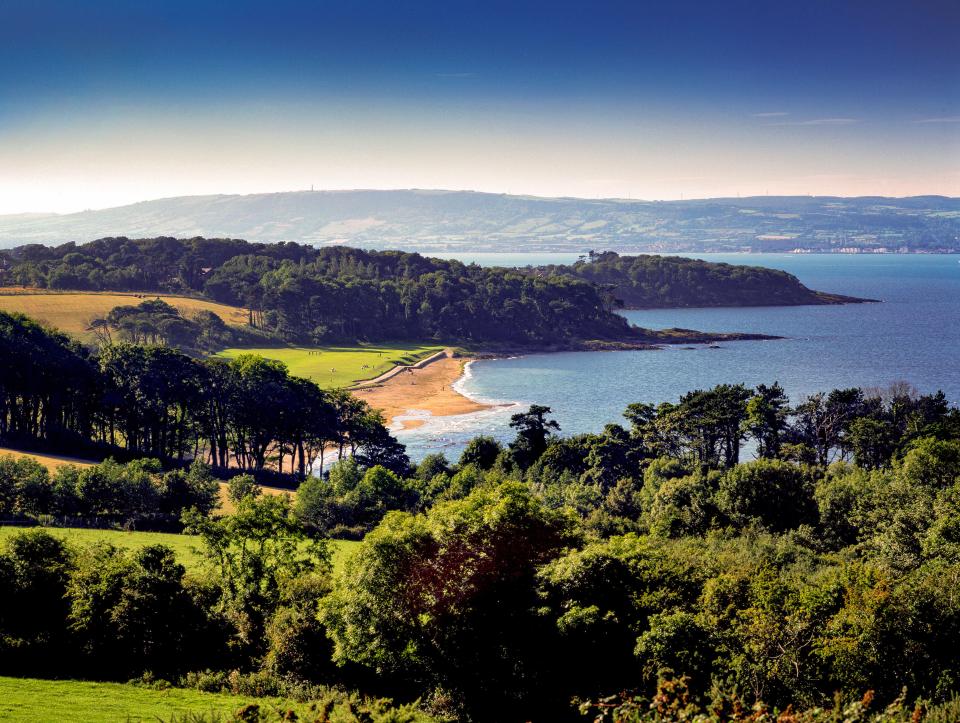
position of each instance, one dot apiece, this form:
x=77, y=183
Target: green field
x=184, y=546
x=340, y=366
x=29, y=699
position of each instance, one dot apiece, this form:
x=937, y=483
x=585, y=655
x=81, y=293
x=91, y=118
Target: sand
x=428, y=389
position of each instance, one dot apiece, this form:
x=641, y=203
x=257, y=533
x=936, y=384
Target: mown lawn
x=184, y=546
x=29, y=699
x=340, y=366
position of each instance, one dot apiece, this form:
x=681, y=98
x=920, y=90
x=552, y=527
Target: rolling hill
x=465, y=220
x=72, y=312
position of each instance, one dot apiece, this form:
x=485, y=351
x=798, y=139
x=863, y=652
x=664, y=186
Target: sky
x=108, y=102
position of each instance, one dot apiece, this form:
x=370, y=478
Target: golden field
x=72, y=311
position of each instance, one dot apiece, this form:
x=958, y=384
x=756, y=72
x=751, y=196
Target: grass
x=341, y=366
x=184, y=546
x=72, y=312
x=30, y=699
x=51, y=461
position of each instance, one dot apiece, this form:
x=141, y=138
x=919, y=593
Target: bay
x=913, y=335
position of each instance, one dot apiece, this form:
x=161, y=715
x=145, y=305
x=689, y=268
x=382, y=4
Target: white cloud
x=944, y=119
x=770, y=114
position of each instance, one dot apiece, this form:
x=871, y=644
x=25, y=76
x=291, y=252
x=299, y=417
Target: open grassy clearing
x=50, y=461
x=184, y=546
x=30, y=699
x=72, y=312
x=341, y=366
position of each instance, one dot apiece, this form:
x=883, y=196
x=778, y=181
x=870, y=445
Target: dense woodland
x=645, y=281
x=722, y=556
x=155, y=401
x=309, y=295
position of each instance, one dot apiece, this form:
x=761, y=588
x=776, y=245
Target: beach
x=428, y=388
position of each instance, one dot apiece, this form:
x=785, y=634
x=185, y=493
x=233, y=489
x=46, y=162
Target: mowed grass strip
x=72, y=312
x=341, y=366
x=185, y=547
x=33, y=700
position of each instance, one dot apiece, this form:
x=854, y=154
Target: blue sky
x=105, y=102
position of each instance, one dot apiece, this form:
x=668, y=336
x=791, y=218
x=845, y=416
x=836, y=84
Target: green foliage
x=34, y=576
x=133, y=613
x=776, y=494
x=481, y=452
x=154, y=401
x=445, y=598
x=317, y=295
x=348, y=504
x=644, y=282
x=156, y=322
x=256, y=552
x=648, y=560
x=135, y=494
x=533, y=430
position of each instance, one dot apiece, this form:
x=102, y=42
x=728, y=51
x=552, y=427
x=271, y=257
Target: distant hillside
x=451, y=220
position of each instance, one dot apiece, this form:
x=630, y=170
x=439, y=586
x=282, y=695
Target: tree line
x=154, y=401
x=299, y=293
x=134, y=495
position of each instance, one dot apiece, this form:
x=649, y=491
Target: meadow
x=51, y=461
x=341, y=366
x=184, y=546
x=72, y=312
x=30, y=699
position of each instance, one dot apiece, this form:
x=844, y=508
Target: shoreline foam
x=415, y=394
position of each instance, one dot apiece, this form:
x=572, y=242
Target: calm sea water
x=913, y=335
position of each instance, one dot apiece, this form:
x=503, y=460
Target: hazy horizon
x=106, y=104
x=466, y=190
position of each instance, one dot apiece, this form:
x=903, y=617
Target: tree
x=872, y=442
x=481, y=452
x=132, y=614
x=254, y=551
x=35, y=570
x=766, y=418
x=446, y=598
x=533, y=430
x=776, y=493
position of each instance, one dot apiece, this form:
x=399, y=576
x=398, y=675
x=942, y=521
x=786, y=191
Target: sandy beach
x=427, y=389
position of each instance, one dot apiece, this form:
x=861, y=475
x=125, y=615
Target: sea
x=911, y=335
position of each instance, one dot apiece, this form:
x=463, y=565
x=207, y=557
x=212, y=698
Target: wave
x=460, y=386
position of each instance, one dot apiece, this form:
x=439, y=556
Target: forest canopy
x=316, y=295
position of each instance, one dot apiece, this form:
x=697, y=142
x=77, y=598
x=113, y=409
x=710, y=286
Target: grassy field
x=184, y=546
x=50, y=461
x=341, y=366
x=72, y=312
x=29, y=699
